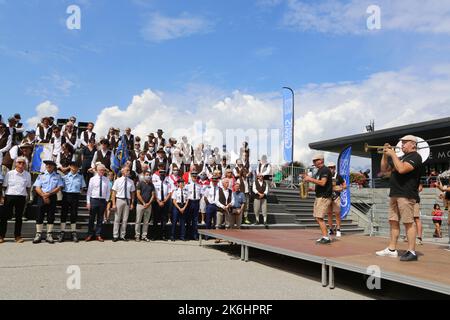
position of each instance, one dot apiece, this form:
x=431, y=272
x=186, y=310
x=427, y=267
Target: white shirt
x=57, y=145
x=8, y=143
x=94, y=159
x=166, y=188
x=255, y=191
x=16, y=183
x=119, y=187
x=265, y=172
x=176, y=195
x=38, y=137
x=94, y=188
x=210, y=194
x=198, y=191
x=227, y=193
x=89, y=134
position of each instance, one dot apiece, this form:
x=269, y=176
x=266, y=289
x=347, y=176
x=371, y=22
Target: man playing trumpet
x=404, y=180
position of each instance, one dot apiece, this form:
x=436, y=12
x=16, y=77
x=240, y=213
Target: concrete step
x=312, y=220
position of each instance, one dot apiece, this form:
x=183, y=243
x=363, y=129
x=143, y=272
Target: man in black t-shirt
x=338, y=186
x=324, y=189
x=405, y=173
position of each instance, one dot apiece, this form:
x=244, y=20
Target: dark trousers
x=161, y=216
x=16, y=203
x=211, y=216
x=70, y=204
x=192, y=218
x=48, y=209
x=98, y=207
x=178, y=216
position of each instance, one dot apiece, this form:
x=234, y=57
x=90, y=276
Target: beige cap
x=409, y=137
x=318, y=156
x=331, y=164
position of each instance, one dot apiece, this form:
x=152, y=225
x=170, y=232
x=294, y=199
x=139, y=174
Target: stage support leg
x=331, y=275
x=200, y=238
x=324, y=275
x=246, y=253
x=242, y=252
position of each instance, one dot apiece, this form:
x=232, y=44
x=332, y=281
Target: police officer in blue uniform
x=47, y=186
x=73, y=184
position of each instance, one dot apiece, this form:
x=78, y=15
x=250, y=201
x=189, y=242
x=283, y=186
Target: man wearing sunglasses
x=17, y=184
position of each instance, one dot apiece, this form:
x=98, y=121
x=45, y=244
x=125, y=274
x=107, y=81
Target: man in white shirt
x=161, y=206
x=5, y=139
x=17, y=184
x=97, y=196
x=123, y=193
x=224, y=204
x=104, y=155
x=194, y=195
x=87, y=135
x=210, y=199
x=260, y=190
x=264, y=168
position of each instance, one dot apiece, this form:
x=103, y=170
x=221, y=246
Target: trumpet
x=379, y=149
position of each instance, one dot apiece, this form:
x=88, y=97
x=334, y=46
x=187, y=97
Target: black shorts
x=437, y=221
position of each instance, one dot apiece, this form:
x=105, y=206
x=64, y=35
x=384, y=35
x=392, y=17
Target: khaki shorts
x=401, y=209
x=417, y=210
x=321, y=207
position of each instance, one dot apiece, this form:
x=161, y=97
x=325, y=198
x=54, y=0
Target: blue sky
x=215, y=48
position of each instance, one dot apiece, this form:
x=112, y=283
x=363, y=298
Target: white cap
x=318, y=156
x=331, y=164
x=409, y=137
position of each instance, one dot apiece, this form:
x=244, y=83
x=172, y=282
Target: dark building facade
x=439, y=156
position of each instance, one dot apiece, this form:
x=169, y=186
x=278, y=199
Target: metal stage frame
x=391, y=269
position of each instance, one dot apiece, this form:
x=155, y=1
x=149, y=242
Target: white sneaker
x=387, y=253
x=338, y=234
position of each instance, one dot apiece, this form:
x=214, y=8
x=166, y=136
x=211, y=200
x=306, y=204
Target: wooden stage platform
x=352, y=252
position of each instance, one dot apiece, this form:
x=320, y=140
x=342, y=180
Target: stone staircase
x=302, y=210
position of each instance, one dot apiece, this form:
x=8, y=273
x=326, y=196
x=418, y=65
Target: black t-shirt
x=406, y=185
x=146, y=190
x=339, y=181
x=327, y=189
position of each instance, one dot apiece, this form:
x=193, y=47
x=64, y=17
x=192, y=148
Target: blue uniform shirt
x=49, y=181
x=73, y=183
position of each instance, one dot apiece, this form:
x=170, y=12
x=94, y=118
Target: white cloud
x=44, y=109
x=335, y=16
x=52, y=86
x=160, y=28
x=324, y=111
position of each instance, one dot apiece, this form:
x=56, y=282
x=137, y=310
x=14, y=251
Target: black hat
x=50, y=162
x=104, y=141
x=151, y=134
x=160, y=131
x=17, y=116
x=160, y=150
x=31, y=131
